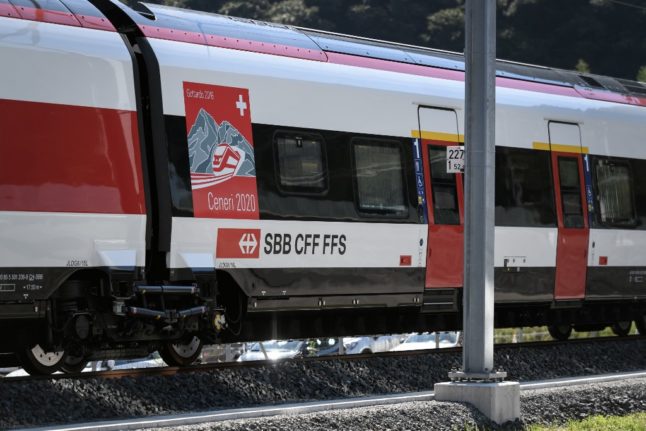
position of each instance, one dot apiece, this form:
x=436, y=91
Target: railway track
x=168, y=371
x=259, y=412
x=149, y=393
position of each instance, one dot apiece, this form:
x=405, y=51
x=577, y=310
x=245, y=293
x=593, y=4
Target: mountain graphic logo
x=217, y=153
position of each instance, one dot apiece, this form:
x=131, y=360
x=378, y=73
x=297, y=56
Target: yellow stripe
x=437, y=136
x=560, y=148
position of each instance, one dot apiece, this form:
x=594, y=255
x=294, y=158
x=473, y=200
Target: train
x=172, y=178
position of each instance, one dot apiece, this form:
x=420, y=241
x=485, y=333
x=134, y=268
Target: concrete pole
x=478, y=383
x=480, y=100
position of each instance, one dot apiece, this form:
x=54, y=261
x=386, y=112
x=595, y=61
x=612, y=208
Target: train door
x=438, y=129
x=572, y=213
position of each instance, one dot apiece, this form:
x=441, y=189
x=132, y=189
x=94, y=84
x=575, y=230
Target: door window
x=443, y=188
x=570, y=192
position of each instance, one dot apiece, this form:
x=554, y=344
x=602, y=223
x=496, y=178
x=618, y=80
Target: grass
x=539, y=333
x=634, y=422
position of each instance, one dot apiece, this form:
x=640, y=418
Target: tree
x=641, y=75
x=582, y=66
x=446, y=29
x=294, y=12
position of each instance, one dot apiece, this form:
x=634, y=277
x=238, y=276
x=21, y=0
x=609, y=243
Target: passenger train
x=170, y=178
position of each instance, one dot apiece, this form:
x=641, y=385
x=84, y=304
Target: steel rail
x=168, y=371
x=311, y=407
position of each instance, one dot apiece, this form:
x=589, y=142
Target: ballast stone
x=500, y=402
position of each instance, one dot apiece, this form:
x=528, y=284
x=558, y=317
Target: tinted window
x=524, y=193
x=443, y=187
x=570, y=192
x=639, y=188
x=379, y=177
x=301, y=164
x=615, y=193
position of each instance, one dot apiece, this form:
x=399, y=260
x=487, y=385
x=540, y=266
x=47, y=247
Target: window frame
x=577, y=190
x=299, y=190
x=597, y=195
x=437, y=182
x=379, y=142
x=504, y=151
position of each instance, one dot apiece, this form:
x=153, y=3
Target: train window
x=301, y=162
x=524, y=193
x=443, y=188
x=615, y=193
x=379, y=177
x=570, y=192
x=638, y=169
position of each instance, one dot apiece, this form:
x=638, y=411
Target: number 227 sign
x=455, y=159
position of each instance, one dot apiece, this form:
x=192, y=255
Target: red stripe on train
x=453, y=75
x=62, y=158
x=48, y=15
x=8, y=11
x=456, y=75
x=56, y=17
x=232, y=43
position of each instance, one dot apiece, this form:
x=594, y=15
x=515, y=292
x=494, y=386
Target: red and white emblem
x=238, y=244
x=220, y=151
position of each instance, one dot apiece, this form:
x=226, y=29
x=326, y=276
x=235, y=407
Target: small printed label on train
x=455, y=159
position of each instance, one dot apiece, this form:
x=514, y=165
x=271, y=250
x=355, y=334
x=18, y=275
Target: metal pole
x=480, y=100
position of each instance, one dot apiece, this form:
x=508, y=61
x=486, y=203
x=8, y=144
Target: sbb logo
x=248, y=243
x=238, y=244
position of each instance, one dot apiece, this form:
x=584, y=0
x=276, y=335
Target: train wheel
x=560, y=332
x=181, y=355
x=641, y=324
x=621, y=328
x=73, y=364
x=36, y=361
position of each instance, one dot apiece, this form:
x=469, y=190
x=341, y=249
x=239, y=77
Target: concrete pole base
x=500, y=402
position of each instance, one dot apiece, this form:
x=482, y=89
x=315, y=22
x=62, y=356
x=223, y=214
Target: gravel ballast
x=545, y=406
x=42, y=402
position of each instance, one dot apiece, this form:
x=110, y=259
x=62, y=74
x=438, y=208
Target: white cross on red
x=241, y=105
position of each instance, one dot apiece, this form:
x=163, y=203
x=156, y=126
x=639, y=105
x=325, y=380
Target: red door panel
x=445, y=256
x=571, y=263
x=573, y=228
x=445, y=252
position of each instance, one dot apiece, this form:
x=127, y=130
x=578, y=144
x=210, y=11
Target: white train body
x=160, y=177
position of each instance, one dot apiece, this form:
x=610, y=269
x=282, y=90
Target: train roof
x=320, y=42
x=166, y=22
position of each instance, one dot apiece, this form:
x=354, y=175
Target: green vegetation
x=582, y=66
x=641, y=75
x=539, y=333
x=634, y=422
x=607, y=34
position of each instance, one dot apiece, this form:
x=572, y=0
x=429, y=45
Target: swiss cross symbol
x=248, y=243
x=241, y=105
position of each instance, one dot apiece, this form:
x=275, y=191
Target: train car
x=170, y=178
